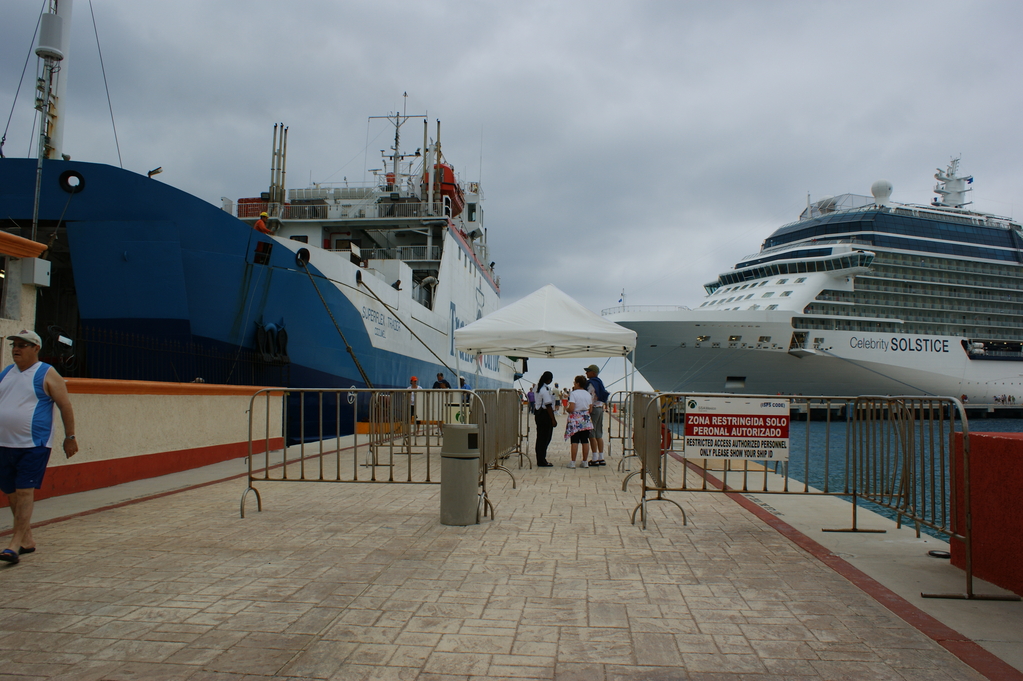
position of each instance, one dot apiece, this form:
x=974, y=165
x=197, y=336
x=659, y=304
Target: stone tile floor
x=361, y=581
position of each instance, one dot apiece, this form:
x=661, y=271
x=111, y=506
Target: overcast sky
x=636, y=146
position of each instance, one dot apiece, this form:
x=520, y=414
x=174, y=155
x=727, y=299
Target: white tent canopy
x=546, y=323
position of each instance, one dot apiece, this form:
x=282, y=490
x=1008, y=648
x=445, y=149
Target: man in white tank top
x=28, y=391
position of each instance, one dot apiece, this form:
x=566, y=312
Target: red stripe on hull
x=82, y=477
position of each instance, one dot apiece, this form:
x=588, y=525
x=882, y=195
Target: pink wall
x=996, y=492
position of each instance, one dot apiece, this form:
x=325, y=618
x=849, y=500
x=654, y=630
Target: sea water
x=827, y=456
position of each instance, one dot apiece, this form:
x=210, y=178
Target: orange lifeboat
x=445, y=184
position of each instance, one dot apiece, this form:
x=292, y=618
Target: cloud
x=644, y=146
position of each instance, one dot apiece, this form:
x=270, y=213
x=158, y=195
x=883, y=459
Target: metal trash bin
x=459, y=475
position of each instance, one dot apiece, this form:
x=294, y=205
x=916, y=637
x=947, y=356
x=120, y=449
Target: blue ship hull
x=157, y=263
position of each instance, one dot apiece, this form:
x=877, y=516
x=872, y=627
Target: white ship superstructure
x=408, y=250
x=861, y=295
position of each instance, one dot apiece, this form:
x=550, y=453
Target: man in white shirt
x=598, y=393
x=28, y=391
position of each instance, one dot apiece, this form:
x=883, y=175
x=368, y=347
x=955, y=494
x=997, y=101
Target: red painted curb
x=159, y=495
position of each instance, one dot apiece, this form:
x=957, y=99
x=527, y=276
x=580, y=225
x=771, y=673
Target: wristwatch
x=70, y=437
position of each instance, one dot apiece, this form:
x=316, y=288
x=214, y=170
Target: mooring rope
x=348, y=347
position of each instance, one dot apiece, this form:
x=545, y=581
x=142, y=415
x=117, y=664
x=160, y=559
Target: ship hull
x=839, y=363
x=158, y=266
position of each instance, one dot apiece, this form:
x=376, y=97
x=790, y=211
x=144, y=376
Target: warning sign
x=736, y=428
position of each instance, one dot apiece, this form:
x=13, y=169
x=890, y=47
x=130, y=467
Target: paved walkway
x=360, y=581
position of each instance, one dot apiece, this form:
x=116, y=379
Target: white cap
x=27, y=335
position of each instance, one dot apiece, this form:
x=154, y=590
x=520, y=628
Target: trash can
x=459, y=475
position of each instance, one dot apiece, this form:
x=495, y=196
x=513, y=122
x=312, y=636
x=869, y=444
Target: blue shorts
x=22, y=467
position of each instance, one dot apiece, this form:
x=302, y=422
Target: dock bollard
x=459, y=475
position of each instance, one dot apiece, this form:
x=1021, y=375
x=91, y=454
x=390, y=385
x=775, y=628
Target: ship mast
x=54, y=40
x=952, y=188
x=396, y=156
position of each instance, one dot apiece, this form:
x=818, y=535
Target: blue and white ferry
x=354, y=285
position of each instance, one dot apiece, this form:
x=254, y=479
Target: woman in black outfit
x=543, y=414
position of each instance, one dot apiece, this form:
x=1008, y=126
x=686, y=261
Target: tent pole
x=633, y=370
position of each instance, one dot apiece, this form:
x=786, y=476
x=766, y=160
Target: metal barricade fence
x=618, y=417
x=895, y=452
x=525, y=427
x=503, y=409
x=366, y=436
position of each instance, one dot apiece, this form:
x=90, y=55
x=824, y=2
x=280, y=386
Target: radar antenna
x=952, y=189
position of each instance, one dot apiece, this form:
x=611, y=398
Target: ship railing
x=334, y=209
x=304, y=212
x=410, y=209
x=642, y=308
x=406, y=253
x=897, y=456
x=369, y=435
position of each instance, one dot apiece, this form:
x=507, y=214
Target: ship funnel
x=882, y=191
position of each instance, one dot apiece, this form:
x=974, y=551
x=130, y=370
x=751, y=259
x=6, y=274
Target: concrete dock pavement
x=361, y=581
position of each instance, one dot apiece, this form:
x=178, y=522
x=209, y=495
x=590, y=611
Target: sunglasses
x=22, y=345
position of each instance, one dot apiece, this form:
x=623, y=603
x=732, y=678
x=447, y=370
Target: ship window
x=303, y=238
x=785, y=294
x=701, y=339
x=768, y=294
x=734, y=339
x=772, y=307
x=782, y=281
x=800, y=280
x=754, y=307
x=764, y=339
x=262, y=255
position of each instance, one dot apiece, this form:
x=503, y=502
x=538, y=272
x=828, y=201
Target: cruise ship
x=861, y=295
